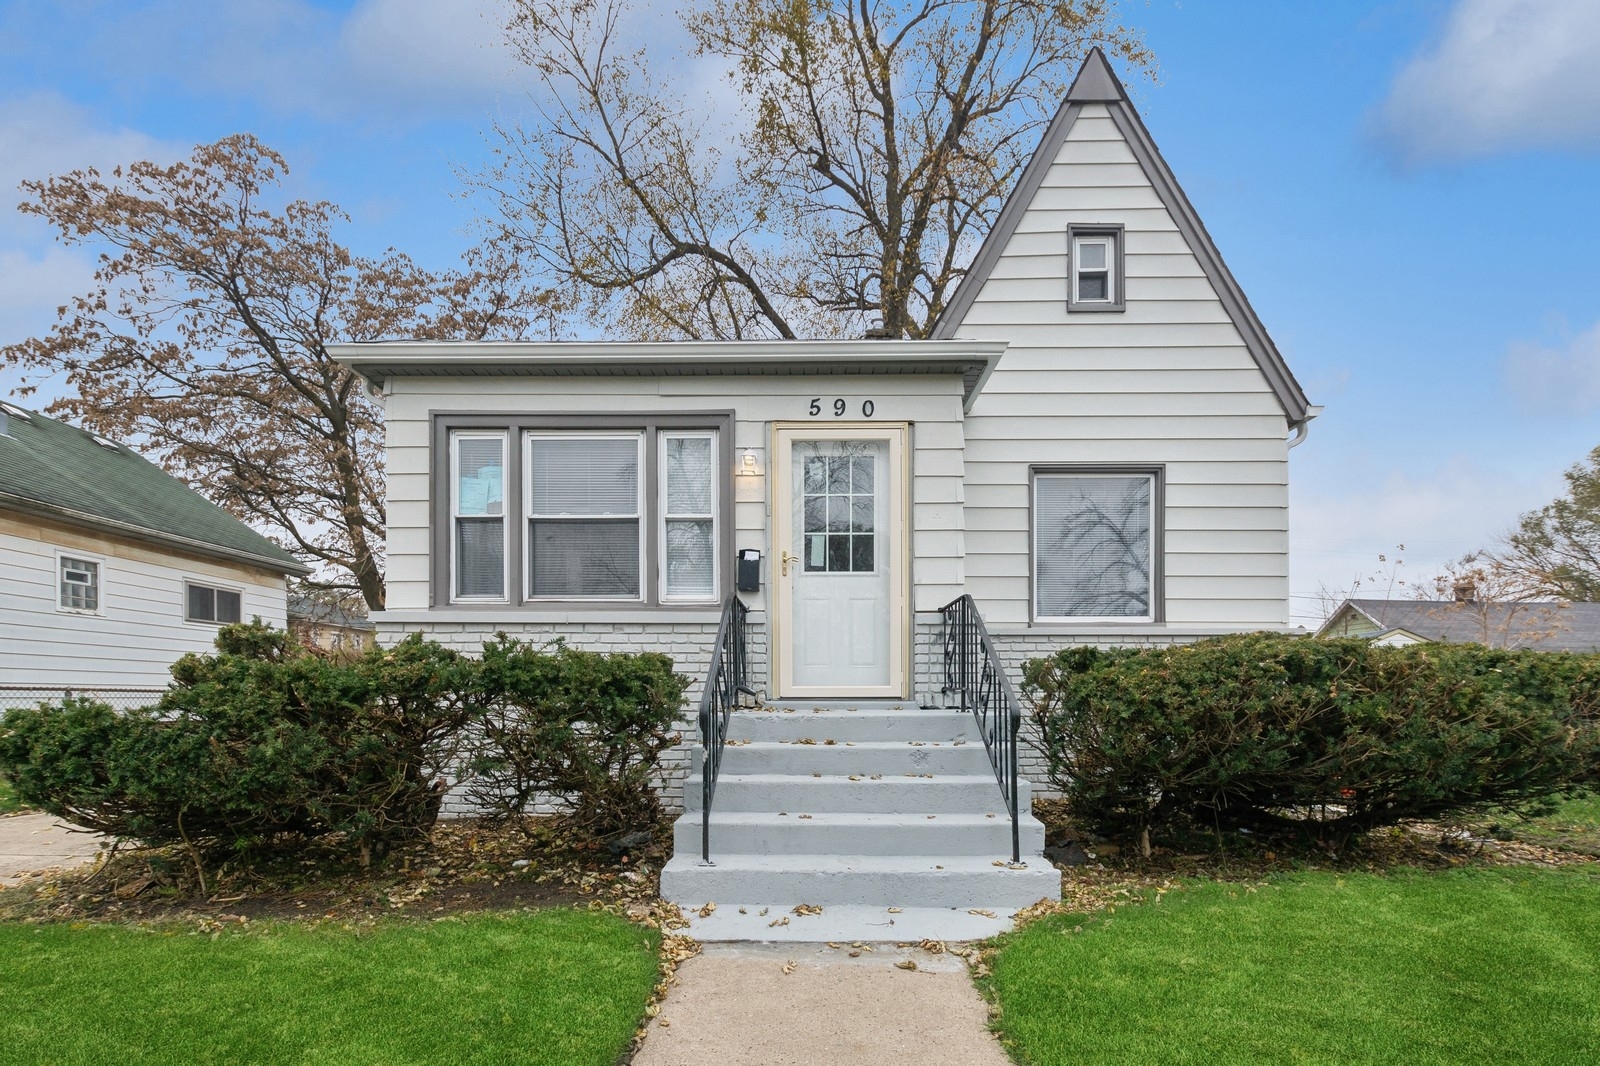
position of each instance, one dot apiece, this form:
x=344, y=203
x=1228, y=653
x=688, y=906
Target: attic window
x=1095, y=275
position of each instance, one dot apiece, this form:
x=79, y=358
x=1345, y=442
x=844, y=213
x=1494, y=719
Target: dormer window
x=1096, y=274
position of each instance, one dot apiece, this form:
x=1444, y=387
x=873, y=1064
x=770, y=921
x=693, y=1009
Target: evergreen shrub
x=1338, y=736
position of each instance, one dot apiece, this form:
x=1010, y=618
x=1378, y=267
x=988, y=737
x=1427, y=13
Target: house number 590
x=839, y=407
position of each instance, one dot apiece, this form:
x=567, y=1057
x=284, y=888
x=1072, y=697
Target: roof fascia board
x=1097, y=83
x=40, y=509
x=1256, y=339
x=1010, y=217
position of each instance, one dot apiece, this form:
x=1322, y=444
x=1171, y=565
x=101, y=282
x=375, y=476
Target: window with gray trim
x=611, y=510
x=206, y=603
x=1095, y=535
x=1096, y=271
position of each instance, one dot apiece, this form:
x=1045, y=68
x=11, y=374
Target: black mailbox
x=749, y=576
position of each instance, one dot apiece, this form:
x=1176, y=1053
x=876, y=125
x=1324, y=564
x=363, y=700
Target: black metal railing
x=727, y=678
x=974, y=671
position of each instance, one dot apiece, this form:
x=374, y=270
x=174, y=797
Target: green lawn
x=8, y=798
x=1575, y=826
x=558, y=986
x=1465, y=966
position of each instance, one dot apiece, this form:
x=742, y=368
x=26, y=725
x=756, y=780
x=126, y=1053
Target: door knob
x=785, y=560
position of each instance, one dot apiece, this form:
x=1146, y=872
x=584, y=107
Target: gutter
x=25, y=505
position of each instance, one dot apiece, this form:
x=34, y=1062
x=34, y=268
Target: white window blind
x=1092, y=545
x=477, y=501
x=584, y=516
x=688, y=516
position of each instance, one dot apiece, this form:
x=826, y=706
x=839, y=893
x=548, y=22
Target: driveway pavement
x=735, y=1006
x=33, y=842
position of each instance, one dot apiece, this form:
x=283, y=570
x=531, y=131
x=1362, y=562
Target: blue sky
x=1406, y=190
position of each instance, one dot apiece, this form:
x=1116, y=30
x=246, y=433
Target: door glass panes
x=839, y=505
x=1093, y=548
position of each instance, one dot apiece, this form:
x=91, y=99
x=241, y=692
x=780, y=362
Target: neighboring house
x=111, y=568
x=1094, y=446
x=329, y=626
x=1542, y=625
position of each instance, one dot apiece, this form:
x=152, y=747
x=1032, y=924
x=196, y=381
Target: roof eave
x=1097, y=83
x=41, y=509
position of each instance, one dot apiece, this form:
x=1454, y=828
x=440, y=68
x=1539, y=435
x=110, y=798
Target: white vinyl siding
x=931, y=403
x=139, y=630
x=1167, y=382
x=478, y=516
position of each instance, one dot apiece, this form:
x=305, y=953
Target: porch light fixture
x=747, y=464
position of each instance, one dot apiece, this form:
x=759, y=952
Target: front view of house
x=1094, y=448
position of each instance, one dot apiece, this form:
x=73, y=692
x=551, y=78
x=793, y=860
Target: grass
x=556, y=986
x=8, y=798
x=1480, y=965
x=1575, y=826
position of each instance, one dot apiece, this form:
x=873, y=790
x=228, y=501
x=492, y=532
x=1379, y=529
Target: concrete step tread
x=871, y=864
x=861, y=818
x=846, y=924
x=868, y=745
x=902, y=777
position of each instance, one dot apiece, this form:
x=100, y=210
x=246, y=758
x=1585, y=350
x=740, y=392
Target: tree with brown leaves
x=205, y=339
x=876, y=143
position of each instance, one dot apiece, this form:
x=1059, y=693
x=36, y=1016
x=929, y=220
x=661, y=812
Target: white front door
x=840, y=599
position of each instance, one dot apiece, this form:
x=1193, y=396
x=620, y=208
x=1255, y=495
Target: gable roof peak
x=1096, y=82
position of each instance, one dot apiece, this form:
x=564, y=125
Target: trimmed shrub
x=260, y=741
x=577, y=725
x=1337, y=735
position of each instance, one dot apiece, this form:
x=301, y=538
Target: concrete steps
x=896, y=829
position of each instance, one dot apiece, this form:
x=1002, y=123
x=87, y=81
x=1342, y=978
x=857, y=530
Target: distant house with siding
x=111, y=568
x=1542, y=625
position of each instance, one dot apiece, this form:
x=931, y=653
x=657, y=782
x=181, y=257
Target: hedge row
x=264, y=744
x=1340, y=735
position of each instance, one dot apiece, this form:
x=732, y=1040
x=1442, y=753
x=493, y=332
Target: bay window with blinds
x=608, y=511
x=1097, y=544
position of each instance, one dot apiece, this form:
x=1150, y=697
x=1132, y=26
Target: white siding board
x=1151, y=404
x=1186, y=313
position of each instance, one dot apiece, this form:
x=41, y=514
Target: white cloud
x=1560, y=380
x=44, y=133
x=1504, y=75
x=384, y=59
x=1439, y=515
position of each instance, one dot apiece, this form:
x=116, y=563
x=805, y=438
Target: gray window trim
x=1119, y=274
x=1158, y=542
x=515, y=425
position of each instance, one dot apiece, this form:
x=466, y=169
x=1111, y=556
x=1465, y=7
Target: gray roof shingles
x=1547, y=626
x=50, y=467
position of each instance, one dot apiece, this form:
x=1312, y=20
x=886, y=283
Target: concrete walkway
x=30, y=843
x=735, y=1006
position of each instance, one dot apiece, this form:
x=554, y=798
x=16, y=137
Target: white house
x=1094, y=447
x=112, y=569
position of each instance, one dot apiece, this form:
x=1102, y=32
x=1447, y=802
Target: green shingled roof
x=48, y=467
